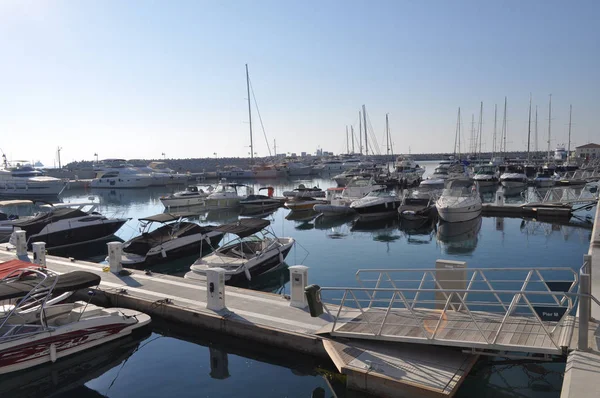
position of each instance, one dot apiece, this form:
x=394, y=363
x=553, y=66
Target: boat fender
x=163, y=253
x=280, y=255
x=53, y=352
x=247, y=272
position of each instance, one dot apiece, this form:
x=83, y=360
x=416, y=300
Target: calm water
x=167, y=363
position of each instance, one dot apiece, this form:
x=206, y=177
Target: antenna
x=58, y=154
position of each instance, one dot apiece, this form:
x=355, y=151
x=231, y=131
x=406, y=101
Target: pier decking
x=269, y=319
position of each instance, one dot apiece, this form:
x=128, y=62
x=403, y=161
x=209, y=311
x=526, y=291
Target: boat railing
x=482, y=303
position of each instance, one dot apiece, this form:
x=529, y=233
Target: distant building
x=303, y=154
x=588, y=151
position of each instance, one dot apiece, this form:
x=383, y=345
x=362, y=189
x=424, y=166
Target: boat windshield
x=441, y=170
x=485, y=170
x=459, y=188
x=381, y=193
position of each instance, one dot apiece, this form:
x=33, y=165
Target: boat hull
x=380, y=210
x=55, y=237
x=513, y=184
x=459, y=214
x=31, y=189
x=183, y=202
x=38, y=349
x=333, y=210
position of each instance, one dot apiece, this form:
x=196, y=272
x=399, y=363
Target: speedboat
x=485, y=176
x=415, y=208
x=295, y=169
x=226, y=195
x=192, y=196
x=173, y=239
x=303, y=203
x=304, y=192
x=247, y=255
x=377, y=204
x=544, y=179
x=340, y=198
x=257, y=202
x=513, y=177
x=460, y=201
x=23, y=180
x=69, y=224
x=71, y=328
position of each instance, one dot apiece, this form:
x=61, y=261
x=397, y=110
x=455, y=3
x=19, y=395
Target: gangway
x=484, y=310
x=586, y=196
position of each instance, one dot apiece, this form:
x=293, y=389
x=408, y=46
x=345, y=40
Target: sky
x=135, y=79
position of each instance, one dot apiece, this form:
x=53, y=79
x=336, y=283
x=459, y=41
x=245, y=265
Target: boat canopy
x=15, y=202
x=244, y=227
x=166, y=217
x=68, y=282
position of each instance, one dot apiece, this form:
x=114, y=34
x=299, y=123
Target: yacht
x=460, y=201
x=192, y=196
x=354, y=162
x=268, y=171
x=254, y=251
x=513, y=177
x=176, y=237
x=123, y=177
x=377, y=204
x=22, y=180
x=66, y=225
x=329, y=166
x=234, y=172
x=485, y=176
x=296, y=169
x=408, y=170
x=72, y=328
x=163, y=175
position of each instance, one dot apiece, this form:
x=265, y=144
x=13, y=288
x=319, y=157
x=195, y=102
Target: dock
x=269, y=319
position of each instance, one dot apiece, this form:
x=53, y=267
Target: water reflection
x=459, y=238
x=69, y=374
x=382, y=230
x=418, y=232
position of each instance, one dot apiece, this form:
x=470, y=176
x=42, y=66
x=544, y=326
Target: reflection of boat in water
x=323, y=222
x=258, y=212
x=301, y=215
x=72, y=372
x=459, y=238
x=272, y=281
x=362, y=225
x=221, y=215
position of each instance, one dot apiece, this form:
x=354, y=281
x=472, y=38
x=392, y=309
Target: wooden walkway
x=519, y=333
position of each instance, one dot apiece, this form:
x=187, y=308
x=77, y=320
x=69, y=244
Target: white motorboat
x=377, y=204
x=304, y=192
x=360, y=163
x=226, y=195
x=68, y=224
x=175, y=238
x=340, y=198
x=545, y=179
x=70, y=329
x=22, y=180
x=408, y=170
x=329, y=166
x=485, y=176
x=257, y=202
x=460, y=201
x=513, y=177
x=246, y=256
x=192, y=196
x=162, y=175
x=445, y=170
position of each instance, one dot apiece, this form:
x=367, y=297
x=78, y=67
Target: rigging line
x=260, y=117
x=373, y=137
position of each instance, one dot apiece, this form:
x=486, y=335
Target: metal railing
x=561, y=195
x=516, y=309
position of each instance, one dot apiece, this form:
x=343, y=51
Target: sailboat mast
x=569, y=145
x=347, y=143
x=387, y=134
x=360, y=132
x=529, y=129
x=549, y=125
x=366, y=135
x=504, y=130
x=480, y=128
x=456, y=132
x=459, y=123
x=473, y=143
x=537, y=148
x=352, y=133
x=249, y=115
x=495, y=126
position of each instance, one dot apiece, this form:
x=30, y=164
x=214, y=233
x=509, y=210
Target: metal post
x=21, y=243
x=114, y=256
x=39, y=253
x=584, y=303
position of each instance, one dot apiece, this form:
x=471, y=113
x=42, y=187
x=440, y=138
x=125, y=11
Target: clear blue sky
x=134, y=79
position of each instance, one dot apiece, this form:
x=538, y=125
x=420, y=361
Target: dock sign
x=550, y=314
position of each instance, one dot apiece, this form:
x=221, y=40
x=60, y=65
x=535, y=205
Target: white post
x=39, y=253
x=20, y=243
x=584, y=303
x=215, y=289
x=299, y=280
x=114, y=256
x=500, y=197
